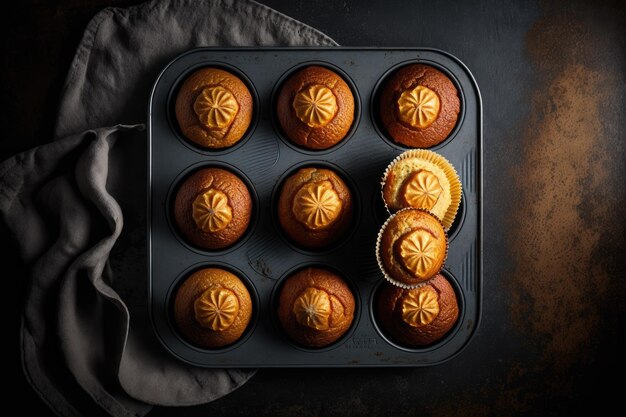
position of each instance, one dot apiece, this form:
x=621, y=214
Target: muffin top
x=316, y=307
x=315, y=207
x=419, y=106
x=423, y=179
x=214, y=108
x=315, y=108
x=412, y=247
x=212, y=208
x=419, y=316
x=212, y=307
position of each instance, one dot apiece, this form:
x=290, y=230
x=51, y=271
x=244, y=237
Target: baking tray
x=263, y=158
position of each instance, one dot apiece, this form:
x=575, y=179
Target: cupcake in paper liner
x=411, y=248
x=422, y=179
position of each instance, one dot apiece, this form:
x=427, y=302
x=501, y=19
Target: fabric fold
x=76, y=207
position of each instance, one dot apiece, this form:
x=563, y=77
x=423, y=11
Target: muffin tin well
x=356, y=203
x=169, y=204
x=264, y=256
x=357, y=107
x=375, y=100
x=275, y=295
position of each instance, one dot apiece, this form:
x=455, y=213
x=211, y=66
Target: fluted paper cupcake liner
x=381, y=265
x=450, y=173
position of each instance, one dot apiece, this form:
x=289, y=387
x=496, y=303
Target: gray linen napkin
x=76, y=208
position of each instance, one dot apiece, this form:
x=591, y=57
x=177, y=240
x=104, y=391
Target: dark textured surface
x=552, y=79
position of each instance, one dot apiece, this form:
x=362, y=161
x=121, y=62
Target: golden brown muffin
x=315, y=108
x=419, y=106
x=412, y=247
x=423, y=179
x=316, y=307
x=214, y=108
x=315, y=207
x=212, y=208
x=419, y=316
x=212, y=308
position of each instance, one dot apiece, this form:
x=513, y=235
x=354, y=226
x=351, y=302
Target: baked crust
x=423, y=180
x=334, y=318
x=291, y=223
x=193, y=288
x=413, y=246
x=334, y=127
x=393, y=320
x=220, y=88
x=440, y=123
x=239, y=203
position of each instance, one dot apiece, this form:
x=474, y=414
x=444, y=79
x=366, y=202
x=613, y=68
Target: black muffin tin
x=264, y=256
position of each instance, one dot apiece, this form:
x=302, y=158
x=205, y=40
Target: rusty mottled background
x=553, y=80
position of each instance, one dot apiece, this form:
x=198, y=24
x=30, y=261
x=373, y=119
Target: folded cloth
x=76, y=209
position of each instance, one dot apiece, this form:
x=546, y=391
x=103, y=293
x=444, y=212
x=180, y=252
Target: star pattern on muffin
x=417, y=250
x=312, y=309
x=422, y=190
x=317, y=205
x=418, y=107
x=216, y=309
x=420, y=306
x=216, y=107
x=211, y=211
x=315, y=106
